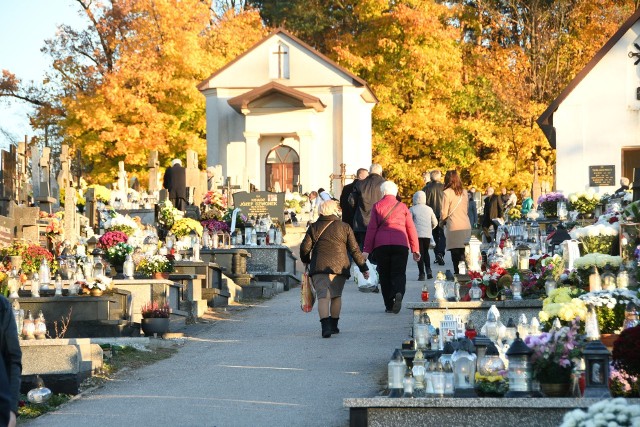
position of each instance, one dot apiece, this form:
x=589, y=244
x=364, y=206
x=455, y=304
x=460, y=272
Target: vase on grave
x=155, y=326
x=95, y=292
x=160, y=276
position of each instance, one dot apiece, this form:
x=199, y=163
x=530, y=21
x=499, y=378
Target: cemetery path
x=265, y=366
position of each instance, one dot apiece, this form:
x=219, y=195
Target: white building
x=282, y=115
x=594, y=124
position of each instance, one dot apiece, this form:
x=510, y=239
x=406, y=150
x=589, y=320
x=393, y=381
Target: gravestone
x=7, y=230
x=261, y=203
x=26, y=222
x=45, y=201
x=36, y=172
x=91, y=209
x=23, y=186
x=195, y=189
x=154, y=172
x=71, y=223
x=64, y=176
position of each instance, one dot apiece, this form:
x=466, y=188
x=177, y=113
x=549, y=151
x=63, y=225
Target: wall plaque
x=602, y=176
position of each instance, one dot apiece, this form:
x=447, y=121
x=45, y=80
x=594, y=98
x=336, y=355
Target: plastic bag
x=307, y=293
x=366, y=285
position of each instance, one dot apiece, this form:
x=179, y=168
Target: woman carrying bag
x=324, y=248
x=455, y=219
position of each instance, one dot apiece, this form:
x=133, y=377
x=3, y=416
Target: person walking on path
x=425, y=220
x=390, y=235
x=455, y=217
x=175, y=181
x=324, y=247
x=434, y=191
x=348, y=211
x=10, y=365
x=365, y=194
x=492, y=211
x=473, y=207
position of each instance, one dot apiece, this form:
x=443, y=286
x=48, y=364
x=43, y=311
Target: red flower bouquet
x=112, y=238
x=626, y=351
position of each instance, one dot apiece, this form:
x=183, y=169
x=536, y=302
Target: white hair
x=389, y=188
x=176, y=162
x=328, y=207
x=375, y=168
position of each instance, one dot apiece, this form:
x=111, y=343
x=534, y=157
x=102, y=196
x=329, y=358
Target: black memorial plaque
x=602, y=176
x=260, y=203
x=6, y=230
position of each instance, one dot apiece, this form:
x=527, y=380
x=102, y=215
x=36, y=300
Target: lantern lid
x=595, y=348
x=447, y=367
x=481, y=341
x=437, y=367
x=491, y=316
x=97, y=251
x=519, y=348
x=418, y=356
x=465, y=344
x=511, y=323
x=397, y=356
x=523, y=247
x=449, y=348
x=492, y=350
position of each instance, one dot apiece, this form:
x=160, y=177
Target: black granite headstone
x=261, y=203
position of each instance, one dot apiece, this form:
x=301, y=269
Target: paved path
x=265, y=366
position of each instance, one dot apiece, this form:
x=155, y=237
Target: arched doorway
x=282, y=169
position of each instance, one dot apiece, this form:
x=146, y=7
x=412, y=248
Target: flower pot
x=160, y=276
x=555, y=389
x=155, y=326
x=609, y=339
x=95, y=292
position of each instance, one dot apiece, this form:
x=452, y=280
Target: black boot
x=334, y=325
x=326, y=327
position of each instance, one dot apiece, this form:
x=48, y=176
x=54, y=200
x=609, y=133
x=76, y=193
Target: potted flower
x=618, y=410
x=626, y=351
x=584, y=202
x=549, y=203
x=168, y=215
x=184, y=226
x=552, y=357
x=597, y=238
x=156, y=266
x=97, y=286
x=111, y=238
x=610, y=310
x=14, y=252
x=155, y=318
x=623, y=384
x=584, y=265
x=33, y=256
x=117, y=254
x=562, y=303
x=123, y=223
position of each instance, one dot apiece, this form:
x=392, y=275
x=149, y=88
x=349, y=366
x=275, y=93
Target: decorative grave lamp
x=438, y=379
x=419, y=373
x=516, y=287
x=58, y=286
x=428, y=378
x=13, y=283
x=45, y=275
x=408, y=384
x=523, y=325
x=490, y=364
x=472, y=254
x=608, y=279
x=40, y=329
x=28, y=327
x=150, y=244
x=561, y=210
x=534, y=326
x=595, y=283
x=464, y=369
x=40, y=393
x=438, y=284
x=92, y=243
x=447, y=352
x=128, y=268
x=556, y=325
x=524, y=253
x=18, y=313
x=491, y=328
x=470, y=330
x=35, y=285
x=481, y=344
x=510, y=331
x=622, y=281
x=475, y=293
x=435, y=340
x=395, y=372
x=597, y=358
x=449, y=379
x=421, y=335
x=549, y=285
x=630, y=316
x=450, y=287
x=520, y=369
x=195, y=245
x=98, y=265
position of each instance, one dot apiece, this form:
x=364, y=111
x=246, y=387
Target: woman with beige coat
x=455, y=218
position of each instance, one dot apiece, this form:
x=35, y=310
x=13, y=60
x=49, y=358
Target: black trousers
x=440, y=241
x=392, y=270
x=424, y=265
x=457, y=255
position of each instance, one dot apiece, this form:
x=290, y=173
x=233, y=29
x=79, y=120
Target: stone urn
x=155, y=326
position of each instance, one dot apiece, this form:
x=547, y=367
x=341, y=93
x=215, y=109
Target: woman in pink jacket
x=390, y=235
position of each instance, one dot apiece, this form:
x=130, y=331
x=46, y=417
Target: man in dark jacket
x=175, y=181
x=10, y=363
x=348, y=211
x=365, y=194
x=434, y=191
x=492, y=211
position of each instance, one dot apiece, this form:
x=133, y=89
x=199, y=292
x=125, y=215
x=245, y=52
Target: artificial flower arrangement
x=496, y=280
x=294, y=202
x=514, y=213
x=102, y=283
x=33, y=256
x=101, y=193
x=55, y=227
x=216, y=200
x=551, y=266
x=153, y=310
x=610, y=307
x=597, y=238
x=154, y=264
x=549, y=203
x=584, y=265
x=492, y=385
x=16, y=248
x=213, y=222
x=621, y=383
x=609, y=412
x=168, y=214
x=117, y=253
x=184, y=226
x=584, y=201
x=241, y=219
x=112, y=238
x=553, y=353
x=562, y=303
x=123, y=223
x=631, y=213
